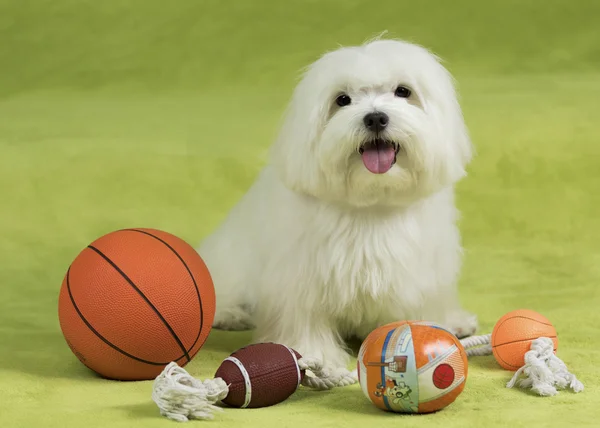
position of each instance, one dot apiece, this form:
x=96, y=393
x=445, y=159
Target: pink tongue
x=379, y=159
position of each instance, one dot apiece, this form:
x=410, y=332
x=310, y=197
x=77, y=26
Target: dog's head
x=377, y=124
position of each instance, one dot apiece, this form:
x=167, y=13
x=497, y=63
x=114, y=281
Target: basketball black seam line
x=508, y=364
x=526, y=318
x=143, y=296
x=522, y=340
x=191, y=276
x=102, y=338
x=522, y=317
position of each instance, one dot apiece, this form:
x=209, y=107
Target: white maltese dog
x=352, y=223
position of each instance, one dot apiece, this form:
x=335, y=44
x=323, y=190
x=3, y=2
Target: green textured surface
x=138, y=113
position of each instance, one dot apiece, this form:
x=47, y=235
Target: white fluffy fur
x=321, y=249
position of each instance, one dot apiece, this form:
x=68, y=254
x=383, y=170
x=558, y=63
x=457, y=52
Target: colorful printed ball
x=412, y=367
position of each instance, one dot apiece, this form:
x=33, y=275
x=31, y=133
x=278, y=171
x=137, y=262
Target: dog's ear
x=460, y=134
x=294, y=151
x=458, y=149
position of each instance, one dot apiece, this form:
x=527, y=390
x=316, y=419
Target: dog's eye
x=402, y=92
x=343, y=100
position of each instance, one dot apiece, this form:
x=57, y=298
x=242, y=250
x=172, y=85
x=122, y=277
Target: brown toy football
x=260, y=375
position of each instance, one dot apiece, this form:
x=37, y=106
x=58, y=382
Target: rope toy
x=522, y=341
x=181, y=397
x=525, y=342
x=476, y=346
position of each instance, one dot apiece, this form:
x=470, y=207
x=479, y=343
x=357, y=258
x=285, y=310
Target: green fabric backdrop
x=140, y=113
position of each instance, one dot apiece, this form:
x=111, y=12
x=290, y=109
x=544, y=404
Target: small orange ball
x=513, y=334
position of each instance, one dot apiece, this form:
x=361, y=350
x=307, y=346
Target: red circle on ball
x=443, y=376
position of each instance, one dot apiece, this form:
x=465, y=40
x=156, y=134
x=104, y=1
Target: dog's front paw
x=462, y=324
x=236, y=318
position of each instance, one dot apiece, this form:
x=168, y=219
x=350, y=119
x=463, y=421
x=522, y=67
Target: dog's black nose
x=376, y=122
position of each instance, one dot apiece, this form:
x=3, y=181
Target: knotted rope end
x=544, y=372
x=181, y=397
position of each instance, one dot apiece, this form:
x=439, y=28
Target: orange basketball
x=133, y=301
x=513, y=334
x=412, y=367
